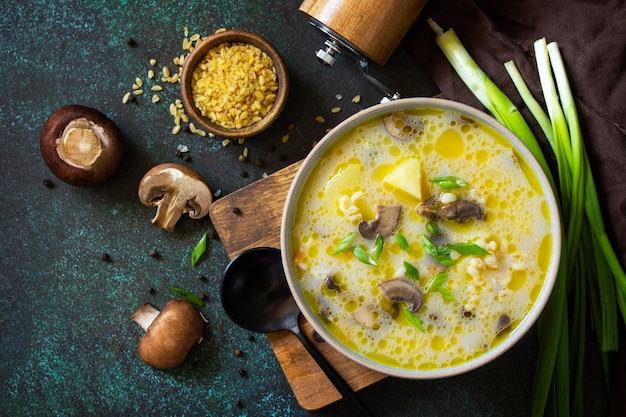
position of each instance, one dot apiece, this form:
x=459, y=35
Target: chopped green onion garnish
x=414, y=320
x=380, y=242
x=363, y=255
x=198, y=251
x=448, y=182
x=432, y=228
x=345, y=243
x=401, y=240
x=187, y=295
x=468, y=249
x=411, y=271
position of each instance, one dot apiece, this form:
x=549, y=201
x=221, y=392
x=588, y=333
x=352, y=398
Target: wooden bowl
x=198, y=54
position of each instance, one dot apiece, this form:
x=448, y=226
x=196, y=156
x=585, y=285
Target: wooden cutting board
x=255, y=223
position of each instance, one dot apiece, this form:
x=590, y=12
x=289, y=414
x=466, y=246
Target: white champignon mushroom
x=174, y=189
x=170, y=333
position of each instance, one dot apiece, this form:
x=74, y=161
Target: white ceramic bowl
x=288, y=242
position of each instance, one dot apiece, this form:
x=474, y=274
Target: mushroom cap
x=168, y=341
x=174, y=189
x=106, y=157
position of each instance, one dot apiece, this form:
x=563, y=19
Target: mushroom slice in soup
x=461, y=211
x=402, y=126
x=384, y=224
x=428, y=209
x=398, y=290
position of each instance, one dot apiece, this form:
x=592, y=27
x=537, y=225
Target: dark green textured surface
x=67, y=344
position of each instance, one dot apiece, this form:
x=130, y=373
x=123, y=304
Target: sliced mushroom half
x=384, y=224
x=399, y=290
x=402, y=126
x=174, y=189
x=461, y=211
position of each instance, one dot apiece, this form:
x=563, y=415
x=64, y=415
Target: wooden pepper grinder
x=370, y=28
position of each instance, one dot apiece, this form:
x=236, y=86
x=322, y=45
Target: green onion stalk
x=590, y=271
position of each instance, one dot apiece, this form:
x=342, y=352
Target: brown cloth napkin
x=592, y=38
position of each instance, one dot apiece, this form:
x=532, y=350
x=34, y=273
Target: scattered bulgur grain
x=153, y=62
x=150, y=74
x=138, y=92
x=320, y=119
x=335, y=110
x=156, y=87
x=156, y=98
x=356, y=99
x=126, y=98
x=285, y=139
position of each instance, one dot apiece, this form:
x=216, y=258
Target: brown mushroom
x=80, y=145
x=461, y=211
x=170, y=334
x=398, y=290
x=174, y=189
x=401, y=126
x=384, y=224
x=428, y=209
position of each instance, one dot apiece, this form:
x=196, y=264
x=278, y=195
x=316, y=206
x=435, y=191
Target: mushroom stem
x=145, y=316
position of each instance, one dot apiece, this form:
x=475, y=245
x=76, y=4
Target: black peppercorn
x=238, y=352
x=202, y=277
x=153, y=253
x=238, y=403
x=131, y=42
x=244, y=174
x=204, y=297
x=151, y=290
x=242, y=372
x=259, y=162
x=48, y=183
x=105, y=257
x=236, y=210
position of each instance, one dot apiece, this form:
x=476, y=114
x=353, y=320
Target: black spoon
x=255, y=296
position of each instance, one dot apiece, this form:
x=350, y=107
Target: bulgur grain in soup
x=234, y=85
x=439, y=289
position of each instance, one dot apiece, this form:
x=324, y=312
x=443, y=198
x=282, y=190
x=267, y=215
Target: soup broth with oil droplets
x=461, y=261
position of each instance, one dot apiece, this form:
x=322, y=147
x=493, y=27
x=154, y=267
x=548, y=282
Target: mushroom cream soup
x=421, y=239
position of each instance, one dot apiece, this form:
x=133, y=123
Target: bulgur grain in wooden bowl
x=234, y=84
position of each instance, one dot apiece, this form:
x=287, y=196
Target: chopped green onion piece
x=345, y=243
x=199, y=250
x=437, y=282
x=380, y=242
x=411, y=271
x=362, y=255
x=404, y=245
x=414, y=320
x=448, y=182
x=445, y=293
x=468, y=249
x=432, y=228
x=429, y=246
x=187, y=295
